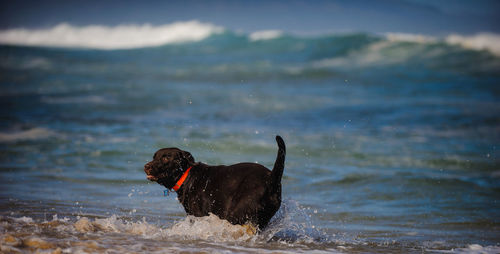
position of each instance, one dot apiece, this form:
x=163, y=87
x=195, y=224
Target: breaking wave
x=480, y=41
x=146, y=35
x=104, y=37
x=265, y=35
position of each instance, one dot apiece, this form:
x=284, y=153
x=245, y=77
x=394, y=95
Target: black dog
x=241, y=193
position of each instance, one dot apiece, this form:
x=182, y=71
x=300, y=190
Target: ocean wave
x=146, y=35
x=376, y=54
x=265, y=35
x=105, y=37
x=410, y=49
x=481, y=41
x=404, y=37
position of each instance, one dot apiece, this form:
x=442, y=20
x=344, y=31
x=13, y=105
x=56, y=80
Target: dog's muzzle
x=148, y=169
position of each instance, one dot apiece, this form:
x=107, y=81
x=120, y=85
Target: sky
x=296, y=16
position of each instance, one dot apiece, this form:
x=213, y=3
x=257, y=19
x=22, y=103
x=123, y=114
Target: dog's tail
x=279, y=164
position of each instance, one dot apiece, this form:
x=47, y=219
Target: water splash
x=292, y=224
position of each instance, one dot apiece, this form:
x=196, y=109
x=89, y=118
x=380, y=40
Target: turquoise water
x=392, y=145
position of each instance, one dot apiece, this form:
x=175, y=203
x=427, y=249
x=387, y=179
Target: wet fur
x=241, y=193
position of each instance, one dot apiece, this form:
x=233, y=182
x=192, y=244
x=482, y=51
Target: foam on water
x=209, y=228
x=104, y=37
x=481, y=41
x=265, y=35
x=420, y=38
x=83, y=234
x=410, y=49
x=129, y=36
x=394, y=142
x=114, y=233
x=473, y=249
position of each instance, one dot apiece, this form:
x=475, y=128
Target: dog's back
x=240, y=193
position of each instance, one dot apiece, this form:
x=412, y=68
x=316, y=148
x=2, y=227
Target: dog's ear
x=187, y=159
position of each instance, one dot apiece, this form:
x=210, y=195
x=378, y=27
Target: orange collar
x=181, y=180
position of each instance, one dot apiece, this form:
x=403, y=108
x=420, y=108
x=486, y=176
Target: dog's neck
x=181, y=180
x=174, y=179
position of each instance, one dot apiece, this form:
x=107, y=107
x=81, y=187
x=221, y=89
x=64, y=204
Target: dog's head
x=168, y=165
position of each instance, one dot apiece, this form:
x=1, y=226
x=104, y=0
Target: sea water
x=392, y=141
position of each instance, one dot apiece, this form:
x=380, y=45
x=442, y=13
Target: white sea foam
x=105, y=37
x=419, y=38
x=265, y=35
x=30, y=134
x=291, y=223
x=114, y=234
x=475, y=249
x=390, y=51
x=481, y=41
x=191, y=234
x=24, y=219
x=375, y=54
x=195, y=228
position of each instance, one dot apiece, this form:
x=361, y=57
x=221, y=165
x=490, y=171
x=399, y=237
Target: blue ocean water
x=392, y=144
